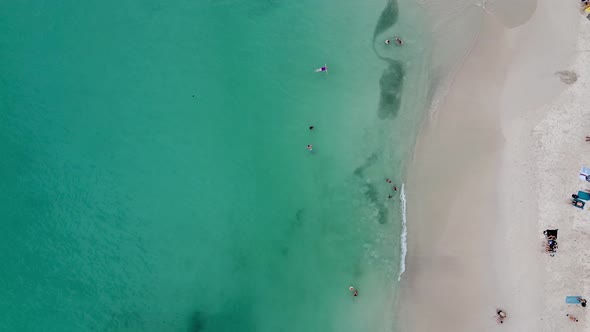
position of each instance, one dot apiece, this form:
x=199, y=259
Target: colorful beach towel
x=572, y=299
x=583, y=195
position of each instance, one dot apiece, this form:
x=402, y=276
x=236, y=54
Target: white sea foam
x=404, y=234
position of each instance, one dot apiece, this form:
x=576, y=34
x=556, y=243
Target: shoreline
x=473, y=206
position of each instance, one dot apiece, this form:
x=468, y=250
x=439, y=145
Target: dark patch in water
x=391, y=84
x=124, y=321
x=298, y=222
x=370, y=161
x=387, y=18
x=235, y=316
x=373, y=196
x=371, y=191
x=299, y=214
x=284, y=251
x=241, y=261
x=197, y=322
x=131, y=321
x=263, y=7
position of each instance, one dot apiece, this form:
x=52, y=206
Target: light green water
x=154, y=168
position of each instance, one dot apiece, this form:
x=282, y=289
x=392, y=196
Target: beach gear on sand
x=550, y=232
x=572, y=299
x=551, y=236
x=578, y=203
x=583, y=195
x=585, y=173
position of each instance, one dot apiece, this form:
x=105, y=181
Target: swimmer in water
x=309, y=147
x=311, y=127
x=394, y=188
x=322, y=69
x=353, y=291
x=388, y=180
x=398, y=41
x=387, y=41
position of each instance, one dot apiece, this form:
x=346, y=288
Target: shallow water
x=155, y=170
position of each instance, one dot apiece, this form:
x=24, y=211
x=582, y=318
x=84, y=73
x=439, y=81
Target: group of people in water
x=397, y=41
x=324, y=68
x=394, y=188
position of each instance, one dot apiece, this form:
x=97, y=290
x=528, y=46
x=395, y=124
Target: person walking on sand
x=353, y=291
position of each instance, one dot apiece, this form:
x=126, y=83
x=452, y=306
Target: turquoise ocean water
x=154, y=170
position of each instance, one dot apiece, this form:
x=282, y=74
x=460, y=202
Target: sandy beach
x=494, y=167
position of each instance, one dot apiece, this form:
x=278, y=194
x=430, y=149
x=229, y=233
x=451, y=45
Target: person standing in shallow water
x=311, y=127
x=353, y=291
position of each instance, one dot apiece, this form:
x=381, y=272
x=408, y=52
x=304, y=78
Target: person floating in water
x=311, y=127
x=309, y=147
x=389, y=197
x=388, y=180
x=353, y=291
x=322, y=69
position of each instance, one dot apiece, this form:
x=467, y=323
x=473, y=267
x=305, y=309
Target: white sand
x=493, y=171
x=558, y=149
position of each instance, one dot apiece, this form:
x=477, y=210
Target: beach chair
x=583, y=195
x=572, y=299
